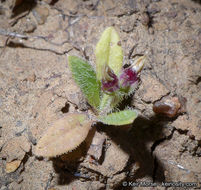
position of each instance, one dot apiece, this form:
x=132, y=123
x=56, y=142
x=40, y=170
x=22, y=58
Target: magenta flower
x=128, y=77
x=110, y=82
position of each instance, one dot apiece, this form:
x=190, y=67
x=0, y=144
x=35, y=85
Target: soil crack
x=153, y=147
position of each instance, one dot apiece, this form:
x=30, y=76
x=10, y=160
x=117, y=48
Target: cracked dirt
x=36, y=88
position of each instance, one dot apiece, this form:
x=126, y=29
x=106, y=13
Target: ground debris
x=96, y=146
x=15, y=149
x=12, y=166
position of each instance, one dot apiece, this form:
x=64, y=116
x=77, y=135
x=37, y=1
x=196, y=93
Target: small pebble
x=31, y=78
x=168, y=107
x=145, y=20
x=12, y=166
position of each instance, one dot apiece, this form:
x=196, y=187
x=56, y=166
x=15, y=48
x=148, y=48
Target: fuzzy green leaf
x=85, y=76
x=105, y=104
x=108, y=51
x=109, y=102
x=120, y=118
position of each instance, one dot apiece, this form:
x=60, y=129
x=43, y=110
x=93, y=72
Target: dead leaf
x=64, y=136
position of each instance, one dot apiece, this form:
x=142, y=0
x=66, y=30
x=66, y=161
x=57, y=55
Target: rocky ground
x=36, y=88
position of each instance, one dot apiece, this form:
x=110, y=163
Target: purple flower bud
x=110, y=82
x=128, y=77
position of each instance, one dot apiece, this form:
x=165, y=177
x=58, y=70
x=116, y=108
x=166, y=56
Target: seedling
x=103, y=89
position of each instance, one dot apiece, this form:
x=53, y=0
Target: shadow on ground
x=139, y=142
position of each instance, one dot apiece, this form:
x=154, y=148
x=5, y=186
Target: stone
x=15, y=149
x=12, y=166
x=167, y=106
x=96, y=146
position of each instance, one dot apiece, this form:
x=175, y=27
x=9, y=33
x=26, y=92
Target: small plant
x=103, y=89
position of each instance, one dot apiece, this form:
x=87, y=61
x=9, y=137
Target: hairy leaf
x=65, y=135
x=85, y=77
x=120, y=118
x=105, y=104
x=109, y=102
x=108, y=51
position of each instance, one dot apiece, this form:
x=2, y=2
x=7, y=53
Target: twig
x=39, y=49
x=25, y=37
x=12, y=34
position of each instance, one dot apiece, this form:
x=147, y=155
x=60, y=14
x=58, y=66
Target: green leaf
x=109, y=102
x=105, y=104
x=64, y=135
x=120, y=118
x=85, y=76
x=108, y=51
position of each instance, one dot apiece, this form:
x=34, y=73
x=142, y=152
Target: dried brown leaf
x=65, y=135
